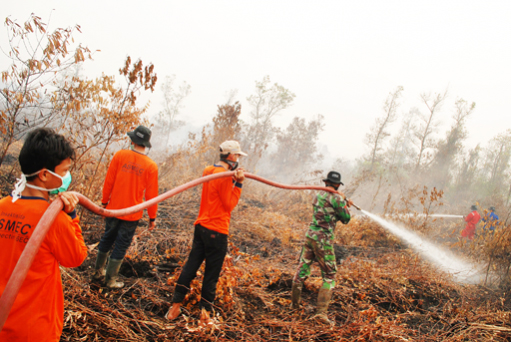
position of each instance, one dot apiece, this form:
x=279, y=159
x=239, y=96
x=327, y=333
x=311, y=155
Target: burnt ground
x=382, y=294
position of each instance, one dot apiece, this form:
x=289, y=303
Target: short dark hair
x=43, y=148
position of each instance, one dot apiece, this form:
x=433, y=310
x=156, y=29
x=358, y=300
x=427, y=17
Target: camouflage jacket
x=328, y=209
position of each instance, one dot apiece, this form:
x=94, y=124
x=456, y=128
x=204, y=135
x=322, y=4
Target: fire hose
x=27, y=256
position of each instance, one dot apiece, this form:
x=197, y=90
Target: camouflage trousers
x=319, y=248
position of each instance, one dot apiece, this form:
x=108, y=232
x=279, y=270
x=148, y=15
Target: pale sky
x=340, y=58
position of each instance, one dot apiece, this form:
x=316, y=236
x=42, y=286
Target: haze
x=341, y=59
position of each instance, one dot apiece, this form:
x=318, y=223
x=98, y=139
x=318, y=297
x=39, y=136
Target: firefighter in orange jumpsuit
x=131, y=177
x=37, y=314
x=219, y=198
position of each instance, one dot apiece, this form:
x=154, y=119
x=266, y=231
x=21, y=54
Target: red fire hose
x=27, y=256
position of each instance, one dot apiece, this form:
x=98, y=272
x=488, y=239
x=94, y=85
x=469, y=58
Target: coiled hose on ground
x=27, y=257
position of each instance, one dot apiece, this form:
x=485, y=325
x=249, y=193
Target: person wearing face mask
x=328, y=209
x=131, y=176
x=219, y=197
x=38, y=311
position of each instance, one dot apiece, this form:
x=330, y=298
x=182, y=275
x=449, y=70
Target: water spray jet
x=461, y=270
x=446, y=216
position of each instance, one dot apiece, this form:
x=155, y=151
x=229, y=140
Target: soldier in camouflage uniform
x=319, y=244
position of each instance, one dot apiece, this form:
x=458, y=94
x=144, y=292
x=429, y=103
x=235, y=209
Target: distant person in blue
x=490, y=220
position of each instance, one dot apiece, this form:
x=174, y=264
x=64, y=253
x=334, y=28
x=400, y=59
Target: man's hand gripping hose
x=27, y=257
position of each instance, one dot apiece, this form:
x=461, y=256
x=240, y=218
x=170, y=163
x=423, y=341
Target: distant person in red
x=471, y=220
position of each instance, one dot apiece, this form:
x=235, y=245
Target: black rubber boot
x=112, y=273
x=296, y=293
x=99, y=269
x=324, y=296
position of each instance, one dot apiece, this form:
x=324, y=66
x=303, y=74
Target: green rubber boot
x=112, y=273
x=296, y=292
x=99, y=269
x=324, y=296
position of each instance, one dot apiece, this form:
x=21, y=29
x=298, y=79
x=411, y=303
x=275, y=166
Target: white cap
x=231, y=146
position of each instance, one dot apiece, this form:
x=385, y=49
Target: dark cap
x=333, y=177
x=473, y=207
x=141, y=136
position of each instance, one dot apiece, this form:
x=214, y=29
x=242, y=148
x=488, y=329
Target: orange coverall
x=470, y=228
x=219, y=198
x=38, y=311
x=129, y=175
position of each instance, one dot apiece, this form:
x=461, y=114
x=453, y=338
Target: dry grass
x=384, y=291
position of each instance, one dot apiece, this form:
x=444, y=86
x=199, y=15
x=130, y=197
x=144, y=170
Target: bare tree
x=467, y=174
x=401, y=146
x=443, y=162
x=297, y=149
x=379, y=131
x=267, y=102
x=96, y=114
x=231, y=96
x=226, y=125
x=172, y=104
x=29, y=85
x=425, y=130
x=498, y=155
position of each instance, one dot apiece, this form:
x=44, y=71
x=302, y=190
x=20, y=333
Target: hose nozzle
x=356, y=206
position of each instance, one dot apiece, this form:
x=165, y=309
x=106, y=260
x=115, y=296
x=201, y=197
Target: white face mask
x=22, y=183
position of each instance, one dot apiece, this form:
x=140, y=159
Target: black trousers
x=210, y=246
x=119, y=232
